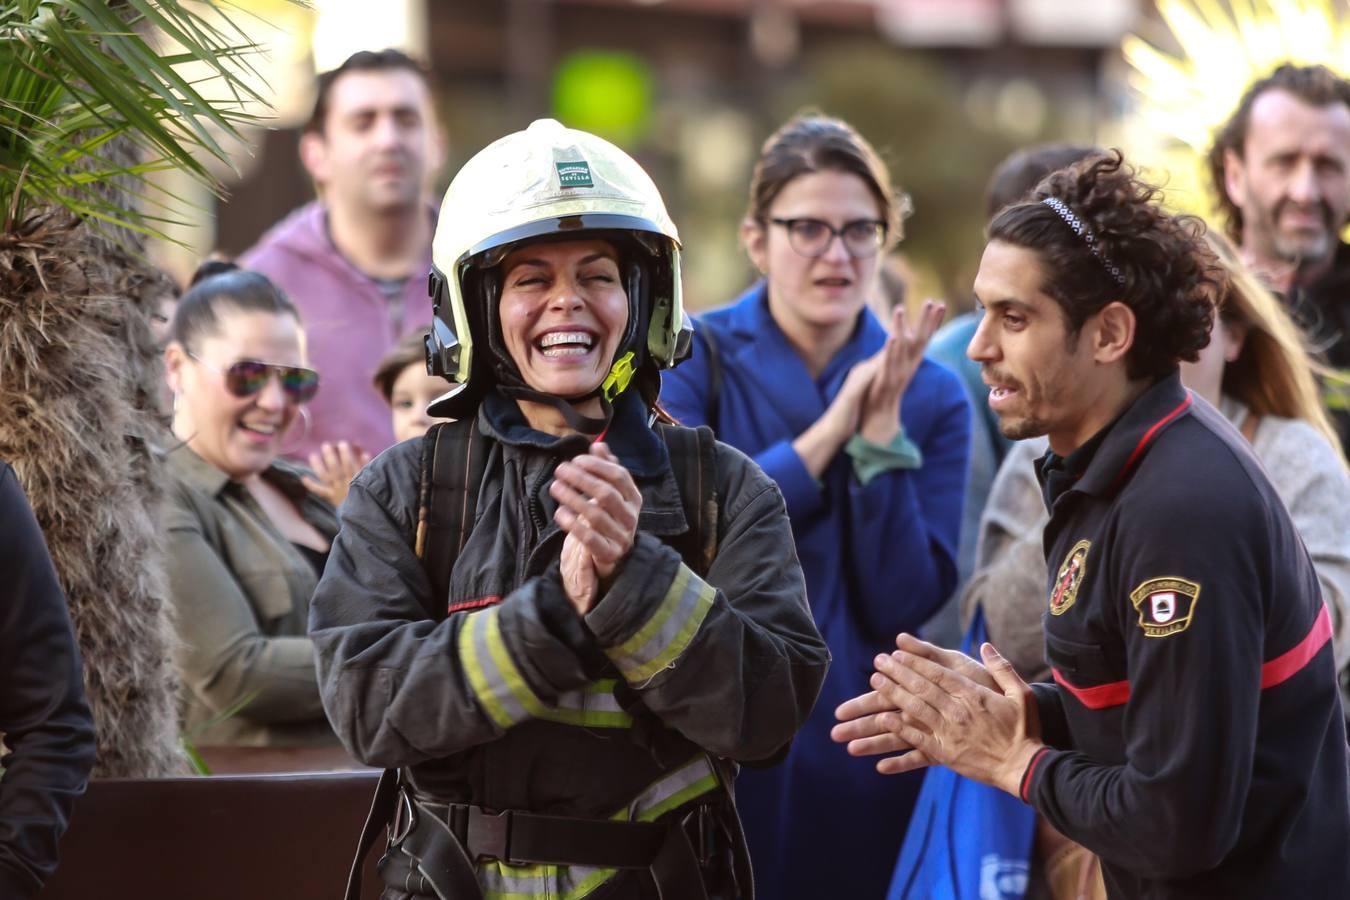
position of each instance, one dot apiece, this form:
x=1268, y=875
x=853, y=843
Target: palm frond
x=172, y=79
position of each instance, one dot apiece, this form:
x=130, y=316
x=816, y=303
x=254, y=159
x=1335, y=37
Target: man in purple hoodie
x=355, y=261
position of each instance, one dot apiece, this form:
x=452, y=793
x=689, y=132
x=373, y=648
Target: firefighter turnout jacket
x=1194, y=735
x=502, y=696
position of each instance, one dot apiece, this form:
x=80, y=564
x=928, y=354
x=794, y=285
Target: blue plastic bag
x=966, y=840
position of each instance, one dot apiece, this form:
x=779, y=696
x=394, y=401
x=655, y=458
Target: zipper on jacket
x=537, y=519
x=537, y=508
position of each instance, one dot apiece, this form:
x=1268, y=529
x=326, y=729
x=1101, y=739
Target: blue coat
x=878, y=560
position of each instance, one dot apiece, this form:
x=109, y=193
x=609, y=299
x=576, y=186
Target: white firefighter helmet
x=548, y=182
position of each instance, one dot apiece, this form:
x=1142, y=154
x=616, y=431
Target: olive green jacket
x=241, y=595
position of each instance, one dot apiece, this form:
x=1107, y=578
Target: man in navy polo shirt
x=1193, y=737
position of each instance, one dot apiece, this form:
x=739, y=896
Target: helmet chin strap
x=615, y=383
x=587, y=425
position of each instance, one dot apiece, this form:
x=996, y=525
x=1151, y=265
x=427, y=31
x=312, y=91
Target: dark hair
x=1019, y=174
x=212, y=266
x=362, y=61
x=224, y=286
x=811, y=142
x=1314, y=85
x=1168, y=275
x=411, y=349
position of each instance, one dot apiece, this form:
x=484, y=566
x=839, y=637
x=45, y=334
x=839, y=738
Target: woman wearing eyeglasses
x=868, y=442
x=246, y=541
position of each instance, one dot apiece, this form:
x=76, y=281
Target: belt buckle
x=489, y=835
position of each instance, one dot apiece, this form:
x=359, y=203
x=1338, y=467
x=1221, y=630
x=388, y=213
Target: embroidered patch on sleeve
x=1069, y=579
x=1165, y=605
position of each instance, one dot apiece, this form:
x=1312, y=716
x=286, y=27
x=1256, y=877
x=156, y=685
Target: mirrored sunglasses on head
x=249, y=376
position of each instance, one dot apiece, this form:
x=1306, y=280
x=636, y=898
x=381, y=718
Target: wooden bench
x=222, y=837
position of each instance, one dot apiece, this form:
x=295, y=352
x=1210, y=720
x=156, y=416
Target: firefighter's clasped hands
x=598, y=506
x=939, y=707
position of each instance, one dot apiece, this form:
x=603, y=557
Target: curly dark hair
x=1168, y=275
x=1021, y=171
x=1316, y=86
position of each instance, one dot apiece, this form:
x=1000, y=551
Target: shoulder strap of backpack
x=693, y=457
x=454, y=459
x=714, y=407
x=381, y=813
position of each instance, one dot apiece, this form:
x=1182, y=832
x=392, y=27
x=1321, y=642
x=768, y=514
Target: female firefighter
x=625, y=617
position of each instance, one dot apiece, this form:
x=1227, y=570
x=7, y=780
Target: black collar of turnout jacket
x=636, y=444
x=632, y=440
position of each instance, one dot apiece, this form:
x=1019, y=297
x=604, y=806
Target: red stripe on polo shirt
x=1274, y=672
x=1031, y=769
x=1291, y=662
x=1102, y=696
x=1148, y=437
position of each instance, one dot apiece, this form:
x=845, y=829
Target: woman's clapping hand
x=598, y=506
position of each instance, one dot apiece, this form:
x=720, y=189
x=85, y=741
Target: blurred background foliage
x=944, y=89
x=940, y=154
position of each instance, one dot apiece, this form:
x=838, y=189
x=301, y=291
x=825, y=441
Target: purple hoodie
x=349, y=327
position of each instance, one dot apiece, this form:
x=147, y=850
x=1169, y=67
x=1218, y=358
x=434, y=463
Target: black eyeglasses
x=248, y=376
x=812, y=237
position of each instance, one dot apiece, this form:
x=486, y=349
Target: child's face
x=413, y=390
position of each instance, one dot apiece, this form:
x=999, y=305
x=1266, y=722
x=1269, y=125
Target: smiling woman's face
x=563, y=312
x=241, y=436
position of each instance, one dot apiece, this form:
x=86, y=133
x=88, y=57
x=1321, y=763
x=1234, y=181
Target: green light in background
x=604, y=92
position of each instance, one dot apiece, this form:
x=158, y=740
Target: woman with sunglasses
x=246, y=541
x=868, y=442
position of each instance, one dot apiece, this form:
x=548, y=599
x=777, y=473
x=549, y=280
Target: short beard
x=1301, y=257
x=1298, y=254
x=1023, y=429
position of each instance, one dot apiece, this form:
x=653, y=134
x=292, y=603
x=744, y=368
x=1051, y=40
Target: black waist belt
x=435, y=846
x=520, y=838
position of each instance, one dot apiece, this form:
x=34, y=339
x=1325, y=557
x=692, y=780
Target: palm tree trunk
x=79, y=373
x=78, y=376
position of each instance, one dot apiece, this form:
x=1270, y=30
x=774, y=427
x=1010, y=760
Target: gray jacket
x=512, y=700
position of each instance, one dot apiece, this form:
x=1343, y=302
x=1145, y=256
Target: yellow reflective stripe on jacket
x=670, y=629
x=674, y=789
x=547, y=882
x=593, y=706
x=502, y=882
x=495, y=680
x=504, y=694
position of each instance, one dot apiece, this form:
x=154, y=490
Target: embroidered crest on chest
x=1069, y=579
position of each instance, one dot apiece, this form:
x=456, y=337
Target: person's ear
x=314, y=156
x=1235, y=178
x=756, y=241
x=175, y=358
x=1114, y=332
